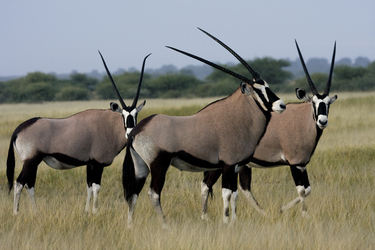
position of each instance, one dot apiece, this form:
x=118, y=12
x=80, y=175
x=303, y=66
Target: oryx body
x=85, y=138
x=220, y=136
x=290, y=139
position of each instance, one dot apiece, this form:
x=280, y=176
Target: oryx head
x=256, y=87
x=320, y=103
x=129, y=113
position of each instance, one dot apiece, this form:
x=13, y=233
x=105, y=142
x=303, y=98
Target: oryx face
x=268, y=100
x=129, y=115
x=320, y=105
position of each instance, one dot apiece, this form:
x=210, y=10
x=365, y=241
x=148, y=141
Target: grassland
x=341, y=205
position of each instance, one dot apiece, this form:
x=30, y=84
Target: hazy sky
x=61, y=36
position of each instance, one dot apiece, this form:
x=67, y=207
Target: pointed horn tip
x=295, y=41
x=100, y=54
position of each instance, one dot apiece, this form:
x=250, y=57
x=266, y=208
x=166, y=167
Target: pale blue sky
x=61, y=36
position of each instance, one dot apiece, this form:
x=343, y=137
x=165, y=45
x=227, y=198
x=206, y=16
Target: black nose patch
x=130, y=122
x=322, y=109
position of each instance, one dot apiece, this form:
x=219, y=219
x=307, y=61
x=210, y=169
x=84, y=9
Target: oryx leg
x=245, y=186
x=229, y=192
x=132, y=199
x=301, y=181
x=17, y=195
x=210, y=178
x=94, y=177
x=158, y=173
x=26, y=179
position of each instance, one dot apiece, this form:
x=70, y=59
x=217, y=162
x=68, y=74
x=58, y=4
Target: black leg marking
x=245, y=178
x=229, y=192
x=94, y=174
x=301, y=180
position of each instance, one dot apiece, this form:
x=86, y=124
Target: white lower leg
x=290, y=204
x=204, y=198
x=249, y=196
x=17, y=195
x=31, y=192
x=155, y=200
x=89, y=195
x=302, y=193
x=233, y=202
x=226, y=194
x=95, y=191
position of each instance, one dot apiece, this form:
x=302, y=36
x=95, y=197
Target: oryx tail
x=11, y=162
x=128, y=172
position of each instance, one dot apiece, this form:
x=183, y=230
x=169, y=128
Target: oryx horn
x=214, y=65
x=113, y=83
x=225, y=70
x=328, y=86
x=311, y=84
x=140, y=82
x=255, y=75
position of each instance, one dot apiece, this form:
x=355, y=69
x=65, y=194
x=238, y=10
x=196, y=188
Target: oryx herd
x=252, y=127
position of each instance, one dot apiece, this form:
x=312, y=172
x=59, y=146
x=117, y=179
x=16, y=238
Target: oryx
x=221, y=136
x=290, y=139
x=92, y=137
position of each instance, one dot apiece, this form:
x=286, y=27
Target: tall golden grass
x=341, y=205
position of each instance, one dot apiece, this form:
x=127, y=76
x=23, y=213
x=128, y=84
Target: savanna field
x=341, y=206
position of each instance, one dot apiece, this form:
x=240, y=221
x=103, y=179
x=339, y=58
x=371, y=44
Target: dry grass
x=341, y=205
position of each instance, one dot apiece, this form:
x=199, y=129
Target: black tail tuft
x=11, y=162
x=128, y=172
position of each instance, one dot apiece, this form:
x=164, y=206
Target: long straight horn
x=238, y=76
x=312, y=86
x=328, y=86
x=255, y=75
x=113, y=83
x=140, y=82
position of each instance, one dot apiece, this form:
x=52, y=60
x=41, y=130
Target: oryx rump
x=220, y=136
x=290, y=139
x=92, y=137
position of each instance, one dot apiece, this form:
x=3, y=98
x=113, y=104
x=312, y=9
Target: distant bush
x=39, y=87
x=38, y=92
x=72, y=93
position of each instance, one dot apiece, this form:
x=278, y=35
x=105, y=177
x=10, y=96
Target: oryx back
x=204, y=140
x=73, y=141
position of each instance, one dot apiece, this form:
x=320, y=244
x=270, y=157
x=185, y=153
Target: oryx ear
x=245, y=89
x=140, y=107
x=302, y=95
x=115, y=107
x=333, y=99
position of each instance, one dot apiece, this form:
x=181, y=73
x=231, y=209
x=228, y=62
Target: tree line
x=40, y=87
